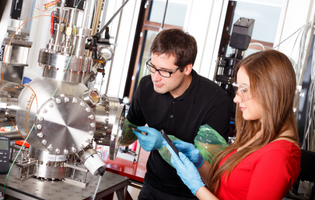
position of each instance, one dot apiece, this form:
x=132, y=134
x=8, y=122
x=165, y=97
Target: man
x=174, y=98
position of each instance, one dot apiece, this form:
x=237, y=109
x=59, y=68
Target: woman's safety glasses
x=242, y=90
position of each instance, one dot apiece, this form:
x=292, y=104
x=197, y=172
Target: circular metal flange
x=62, y=61
x=65, y=125
x=109, y=122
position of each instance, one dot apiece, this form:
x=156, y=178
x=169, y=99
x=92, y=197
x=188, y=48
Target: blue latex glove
x=190, y=151
x=185, y=170
x=152, y=141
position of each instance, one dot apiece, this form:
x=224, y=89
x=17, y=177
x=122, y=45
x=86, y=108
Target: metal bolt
x=44, y=142
x=87, y=140
x=51, y=105
x=40, y=118
x=40, y=135
x=91, y=117
x=91, y=133
x=105, y=127
x=74, y=150
x=82, y=104
x=65, y=151
x=45, y=111
x=39, y=126
x=50, y=147
x=57, y=151
x=88, y=109
x=58, y=100
x=66, y=99
x=82, y=146
x=74, y=100
x=6, y=113
x=92, y=125
x=107, y=113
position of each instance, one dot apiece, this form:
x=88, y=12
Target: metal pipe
x=162, y=24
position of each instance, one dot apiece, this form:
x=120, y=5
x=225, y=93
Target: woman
x=264, y=160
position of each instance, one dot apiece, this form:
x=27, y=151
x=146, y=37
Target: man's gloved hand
x=152, y=141
x=190, y=151
x=186, y=170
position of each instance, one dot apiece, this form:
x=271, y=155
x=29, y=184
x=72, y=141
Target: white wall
x=205, y=22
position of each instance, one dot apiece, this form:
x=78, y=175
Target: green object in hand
x=128, y=137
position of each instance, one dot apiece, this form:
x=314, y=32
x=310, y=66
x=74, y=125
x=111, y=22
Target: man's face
x=176, y=84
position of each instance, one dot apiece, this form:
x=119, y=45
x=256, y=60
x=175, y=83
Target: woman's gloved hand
x=185, y=170
x=152, y=141
x=190, y=152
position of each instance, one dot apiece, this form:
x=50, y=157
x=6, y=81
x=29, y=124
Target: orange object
x=20, y=143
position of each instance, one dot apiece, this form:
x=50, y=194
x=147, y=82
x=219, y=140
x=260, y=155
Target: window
x=266, y=14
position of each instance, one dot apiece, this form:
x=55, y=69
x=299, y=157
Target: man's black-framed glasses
x=163, y=73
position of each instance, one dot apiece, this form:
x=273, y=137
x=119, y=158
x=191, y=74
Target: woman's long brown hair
x=272, y=81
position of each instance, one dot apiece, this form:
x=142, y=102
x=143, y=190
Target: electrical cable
x=20, y=134
x=31, y=104
x=47, y=5
x=98, y=184
x=5, y=182
x=288, y=37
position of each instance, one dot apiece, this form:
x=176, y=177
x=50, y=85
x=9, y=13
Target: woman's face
x=250, y=107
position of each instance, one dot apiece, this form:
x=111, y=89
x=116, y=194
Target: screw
x=91, y=117
x=88, y=109
x=91, y=133
x=82, y=104
x=66, y=99
x=82, y=146
x=92, y=125
x=57, y=151
x=44, y=142
x=87, y=140
x=40, y=135
x=45, y=111
x=58, y=100
x=74, y=150
x=51, y=105
x=40, y=118
x=50, y=147
x=65, y=151
x=74, y=100
x=39, y=126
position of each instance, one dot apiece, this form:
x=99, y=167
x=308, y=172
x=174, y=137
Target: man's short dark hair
x=177, y=43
